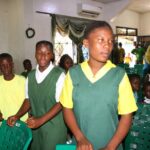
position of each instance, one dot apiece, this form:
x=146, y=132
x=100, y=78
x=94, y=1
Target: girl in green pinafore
x=42, y=101
x=95, y=92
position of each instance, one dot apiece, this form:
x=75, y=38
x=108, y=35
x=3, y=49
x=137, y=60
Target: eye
x=100, y=40
x=110, y=41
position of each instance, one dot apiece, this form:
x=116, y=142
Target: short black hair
x=26, y=61
x=5, y=56
x=134, y=76
x=94, y=25
x=44, y=43
x=63, y=59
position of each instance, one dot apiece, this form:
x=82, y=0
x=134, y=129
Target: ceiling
x=141, y=6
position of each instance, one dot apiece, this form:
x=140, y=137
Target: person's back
x=12, y=87
x=121, y=53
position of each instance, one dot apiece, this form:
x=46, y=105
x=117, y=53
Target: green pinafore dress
x=95, y=105
x=42, y=99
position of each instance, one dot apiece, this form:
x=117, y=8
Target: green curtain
x=74, y=27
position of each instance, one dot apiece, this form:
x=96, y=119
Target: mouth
x=105, y=54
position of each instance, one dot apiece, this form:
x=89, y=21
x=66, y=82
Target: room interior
x=19, y=15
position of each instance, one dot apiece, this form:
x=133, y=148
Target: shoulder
x=19, y=77
x=31, y=73
x=75, y=68
x=58, y=69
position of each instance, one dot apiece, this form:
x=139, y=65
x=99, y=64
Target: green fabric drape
x=74, y=27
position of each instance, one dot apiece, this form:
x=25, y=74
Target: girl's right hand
x=12, y=120
x=84, y=144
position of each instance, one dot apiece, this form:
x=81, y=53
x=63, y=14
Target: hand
x=12, y=120
x=84, y=144
x=34, y=123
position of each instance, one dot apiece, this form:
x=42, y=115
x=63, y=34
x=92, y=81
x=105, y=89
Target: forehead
x=6, y=59
x=101, y=31
x=43, y=48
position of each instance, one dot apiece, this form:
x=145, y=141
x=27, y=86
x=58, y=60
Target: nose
x=107, y=43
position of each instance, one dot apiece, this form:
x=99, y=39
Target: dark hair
x=26, y=61
x=63, y=59
x=134, y=76
x=146, y=84
x=94, y=25
x=120, y=44
x=48, y=44
x=5, y=56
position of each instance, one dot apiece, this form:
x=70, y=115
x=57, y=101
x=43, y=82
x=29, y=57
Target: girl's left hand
x=34, y=123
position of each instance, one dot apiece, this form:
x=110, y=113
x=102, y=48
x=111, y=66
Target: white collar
x=40, y=76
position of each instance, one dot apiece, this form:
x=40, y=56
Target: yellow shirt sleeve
x=66, y=94
x=126, y=101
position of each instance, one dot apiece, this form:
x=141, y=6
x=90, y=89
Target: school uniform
x=12, y=95
x=97, y=100
x=41, y=92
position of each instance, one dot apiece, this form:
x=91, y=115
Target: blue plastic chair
x=17, y=137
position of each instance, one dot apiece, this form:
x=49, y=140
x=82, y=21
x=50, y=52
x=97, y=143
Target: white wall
x=3, y=26
x=145, y=24
x=127, y=19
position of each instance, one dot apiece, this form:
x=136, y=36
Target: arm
x=82, y=142
x=37, y=122
x=121, y=132
x=23, y=109
x=1, y=116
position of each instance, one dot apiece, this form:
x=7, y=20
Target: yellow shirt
x=126, y=101
x=12, y=95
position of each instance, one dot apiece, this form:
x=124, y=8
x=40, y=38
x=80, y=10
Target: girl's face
x=147, y=91
x=6, y=67
x=68, y=63
x=100, y=44
x=135, y=83
x=43, y=56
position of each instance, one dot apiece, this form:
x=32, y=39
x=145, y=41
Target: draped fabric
x=73, y=27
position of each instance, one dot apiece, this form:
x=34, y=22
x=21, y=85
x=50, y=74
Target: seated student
x=43, y=87
x=66, y=62
x=12, y=87
x=27, y=67
x=146, y=91
x=135, y=84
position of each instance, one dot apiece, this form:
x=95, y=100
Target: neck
x=95, y=66
x=9, y=77
x=42, y=68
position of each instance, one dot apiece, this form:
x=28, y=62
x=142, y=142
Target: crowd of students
x=85, y=98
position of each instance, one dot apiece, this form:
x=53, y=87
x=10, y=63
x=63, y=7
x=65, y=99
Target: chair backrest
x=139, y=134
x=65, y=147
x=17, y=137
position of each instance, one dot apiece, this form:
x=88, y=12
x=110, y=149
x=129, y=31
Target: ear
x=86, y=43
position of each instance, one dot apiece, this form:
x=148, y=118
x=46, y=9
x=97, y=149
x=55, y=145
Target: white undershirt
x=40, y=76
x=146, y=100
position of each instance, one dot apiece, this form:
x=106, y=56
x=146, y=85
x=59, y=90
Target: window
x=64, y=45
